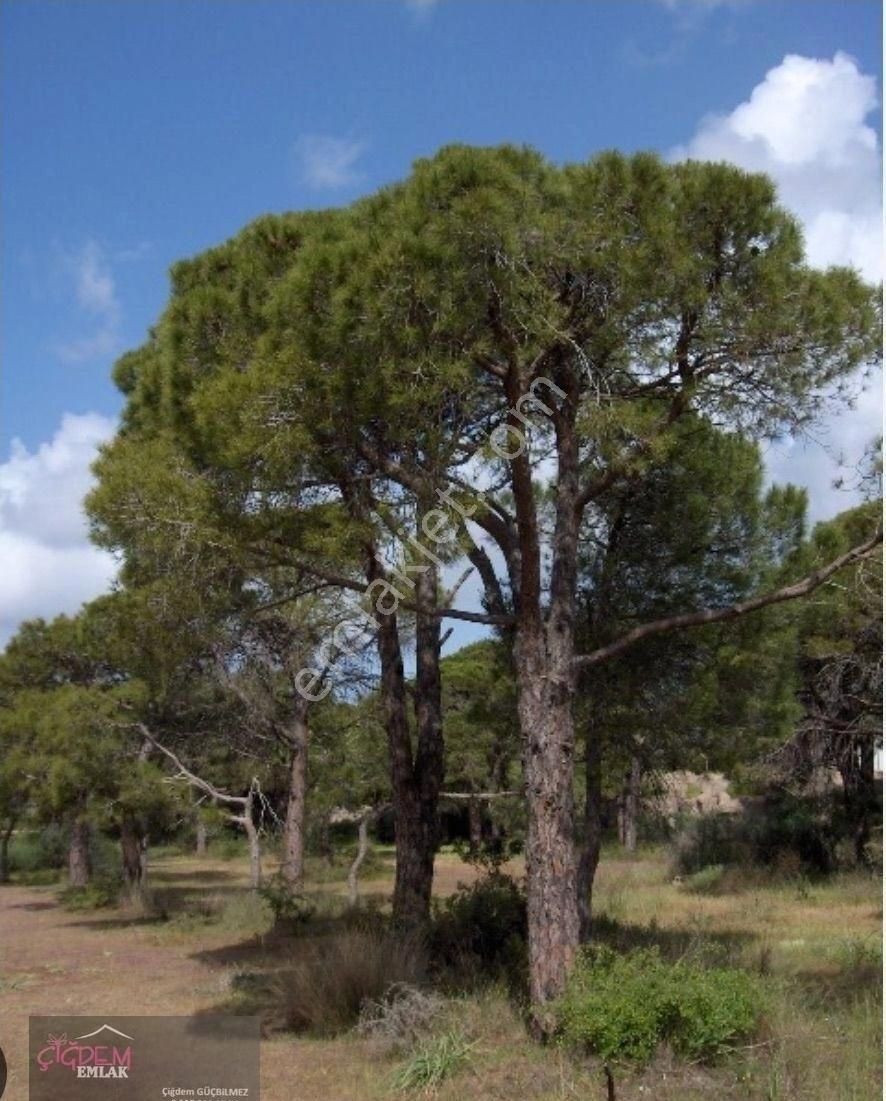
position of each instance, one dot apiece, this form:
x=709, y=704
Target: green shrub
x=787, y=834
x=290, y=908
x=621, y=1007
x=708, y=881
x=38, y=850
x=482, y=927
x=97, y=895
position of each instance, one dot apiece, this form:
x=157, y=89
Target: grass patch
x=433, y=1061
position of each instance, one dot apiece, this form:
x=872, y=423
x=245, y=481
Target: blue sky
x=138, y=133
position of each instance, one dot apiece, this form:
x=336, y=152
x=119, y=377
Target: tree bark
x=545, y=710
x=255, y=869
x=415, y=780
x=292, y=867
x=79, y=861
x=544, y=654
x=200, y=844
x=133, y=852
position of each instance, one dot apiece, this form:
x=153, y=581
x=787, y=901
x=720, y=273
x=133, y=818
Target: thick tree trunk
x=134, y=869
x=631, y=804
x=79, y=861
x=544, y=653
x=200, y=843
x=362, y=850
x=593, y=830
x=292, y=867
x=545, y=710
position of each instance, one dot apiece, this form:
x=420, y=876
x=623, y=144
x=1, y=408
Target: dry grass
x=819, y=945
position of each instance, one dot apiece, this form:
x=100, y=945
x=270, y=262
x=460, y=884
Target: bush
x=621, y=1007
x=483, y=927
x=98, y=895
x=38, y=850
x=290, y=908
x=336, y=975
x=789, y=835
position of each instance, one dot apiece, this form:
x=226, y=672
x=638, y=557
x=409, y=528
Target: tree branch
x=733, y=611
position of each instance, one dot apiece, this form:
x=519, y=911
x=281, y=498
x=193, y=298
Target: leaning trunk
x=79, y=862
x=292, y=868
x=134, y=869
x=255, y=875
x=362, y=850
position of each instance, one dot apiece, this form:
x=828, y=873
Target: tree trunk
x=593, y=830
x=5, y=838
x=632, y=804
x=133, y=854
x=545, y=710
x=292, y=867
x=255, y=871
x=79, y=861
x=475, y=826
x=362, y=850
x=200, y=845
x=415, y=781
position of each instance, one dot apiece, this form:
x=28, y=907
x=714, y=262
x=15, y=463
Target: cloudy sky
x=139, y=133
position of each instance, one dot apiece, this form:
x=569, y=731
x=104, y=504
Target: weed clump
x=334, y=976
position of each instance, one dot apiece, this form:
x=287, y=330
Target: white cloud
x=805, y=125
x=327, y=162
x=96, y=293
x=47, y=565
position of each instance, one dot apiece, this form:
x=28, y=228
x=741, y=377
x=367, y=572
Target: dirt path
x=52, y=961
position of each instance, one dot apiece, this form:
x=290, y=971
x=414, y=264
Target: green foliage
x=102, y=893
x=38, y=850
x=621, y=1007
x=289, y=907
x=433, y=1061
x=780, y=832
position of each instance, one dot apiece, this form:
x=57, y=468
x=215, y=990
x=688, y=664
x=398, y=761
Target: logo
x=105, y=1057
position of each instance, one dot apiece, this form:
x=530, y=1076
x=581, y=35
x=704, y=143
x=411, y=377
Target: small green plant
x=95, y=896
x=621, y=1007
x=288, y=907
x=433, y=1061
x=708, y=881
